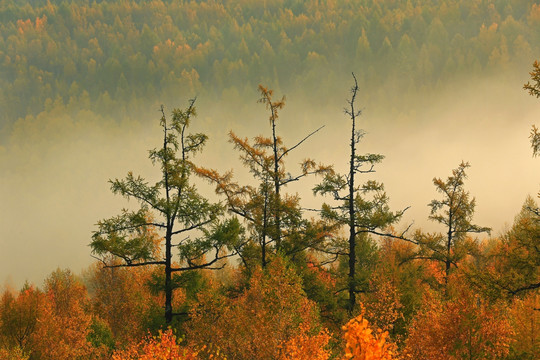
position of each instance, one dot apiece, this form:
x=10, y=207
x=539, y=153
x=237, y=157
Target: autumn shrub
x=464, y=326
x=18, y=319
x=525, y=320
x=64, y=323
x=15, y=353
x=382, y=304
x=306, y=347
x=362, y=343
x=259, y=322
x=161, y=347
x=122, y=298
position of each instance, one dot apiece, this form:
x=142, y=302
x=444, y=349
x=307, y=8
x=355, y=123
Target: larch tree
x=267, y=210
x=171, y=206
x=363, y=209
x=534, y=90
x=455, y=212
x=517, y=255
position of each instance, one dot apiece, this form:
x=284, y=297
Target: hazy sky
x=53, y=183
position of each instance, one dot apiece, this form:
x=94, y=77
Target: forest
x=202, y=262
x=105, y=55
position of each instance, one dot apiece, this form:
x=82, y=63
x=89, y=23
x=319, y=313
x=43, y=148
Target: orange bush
x=464, y=326
x=305, y=347
x=161, y=347
x=364, y=344
x=63, y=324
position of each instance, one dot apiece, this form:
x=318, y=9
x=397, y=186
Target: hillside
x=107, y=55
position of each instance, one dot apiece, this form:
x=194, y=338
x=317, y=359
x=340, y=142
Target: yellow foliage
x=13, y=354
x=364, y=344
x=161, y=347
x=305, y=347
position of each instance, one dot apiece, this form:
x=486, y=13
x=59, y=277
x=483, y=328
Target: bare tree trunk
x=168, y=279
x=352, y=227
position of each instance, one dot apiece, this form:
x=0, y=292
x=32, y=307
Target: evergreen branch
x=205, y=265
x=194, y=226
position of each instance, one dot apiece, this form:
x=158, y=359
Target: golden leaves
x=364, y=344
x=161, y=347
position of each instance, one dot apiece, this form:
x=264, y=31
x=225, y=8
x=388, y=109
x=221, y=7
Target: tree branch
x=130, y=264
x=298, y=144
x=205, y=265
x=194, y=226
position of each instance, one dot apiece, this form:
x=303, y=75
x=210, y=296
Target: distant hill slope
x=105, y=55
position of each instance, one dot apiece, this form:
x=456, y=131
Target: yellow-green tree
x=173, y=207
x=362, y=209
x=455, y=212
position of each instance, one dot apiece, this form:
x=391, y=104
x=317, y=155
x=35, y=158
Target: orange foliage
x=260, y=321
x=18, y=319
x=305, y=347
x=122, y=298
x=13, y=354
x=364, y=344
x=383, y=305
x=63, y=324
x=40, y=23
x=24, y=26
x=534, y=15
x=161, y=347
x=462, y=327
x=525, y=319
x=435, y=270
x=320, y=272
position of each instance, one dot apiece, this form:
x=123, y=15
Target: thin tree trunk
x=448, y=262
x=352, y=227
x=276, y=183
x=168, y=279
x=168, y=234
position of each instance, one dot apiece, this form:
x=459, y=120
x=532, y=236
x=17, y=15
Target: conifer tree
x=275, y=218
x=171, y=206
x=363, y=209
x=455, y=212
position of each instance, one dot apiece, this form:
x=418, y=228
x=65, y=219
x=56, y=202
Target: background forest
x=260, y=246
x=105, y=56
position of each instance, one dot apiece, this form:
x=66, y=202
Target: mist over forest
x=270, y=180
x=81, y=84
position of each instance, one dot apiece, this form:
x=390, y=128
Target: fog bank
x=55, y=168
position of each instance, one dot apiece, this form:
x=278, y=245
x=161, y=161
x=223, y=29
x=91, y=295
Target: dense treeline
x=105, y=55
x=407, y=307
